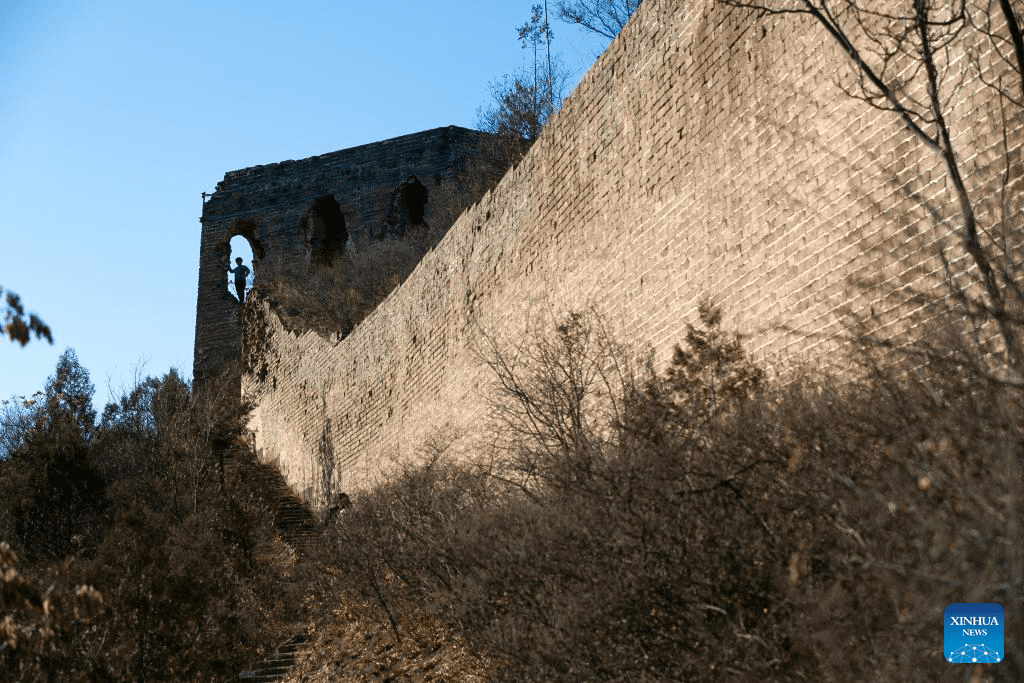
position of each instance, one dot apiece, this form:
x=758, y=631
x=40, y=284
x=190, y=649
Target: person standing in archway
x=241, y=273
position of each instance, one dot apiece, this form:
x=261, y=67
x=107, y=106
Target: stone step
x=275, y=667
x=292, y=518
x=299, y=530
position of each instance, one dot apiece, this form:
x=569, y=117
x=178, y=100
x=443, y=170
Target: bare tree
x=513, y=115
x=524, y=101
x=520, y=109
x=908, y=58
x=533, y=34
x=556, y=391
x=604, y=17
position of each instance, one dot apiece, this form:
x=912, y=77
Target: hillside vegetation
x=135, y=547
x=723, y=528
x=698, y=524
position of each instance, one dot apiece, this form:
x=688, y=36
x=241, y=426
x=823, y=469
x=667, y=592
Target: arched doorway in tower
x=324, y=230
x=240, y=248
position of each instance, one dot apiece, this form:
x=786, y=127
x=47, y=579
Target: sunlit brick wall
x=705, y=154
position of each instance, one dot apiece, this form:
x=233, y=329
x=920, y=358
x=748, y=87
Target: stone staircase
x=293, y=519
x=297, y=528
x=275, y=667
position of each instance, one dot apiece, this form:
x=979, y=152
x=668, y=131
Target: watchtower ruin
x=300, y=216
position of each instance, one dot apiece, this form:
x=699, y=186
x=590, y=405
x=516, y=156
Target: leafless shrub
x=728, y=529
x=556, y=392
x=603, y=17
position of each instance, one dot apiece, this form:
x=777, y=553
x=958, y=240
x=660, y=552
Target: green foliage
x=54, y=494
x=68, y=395
x=704, y=383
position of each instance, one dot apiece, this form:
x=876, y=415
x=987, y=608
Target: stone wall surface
x=706, y=153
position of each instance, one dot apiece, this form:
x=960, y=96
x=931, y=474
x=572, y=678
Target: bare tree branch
x=1015, y=35
x=906, y=62
x=603, y=17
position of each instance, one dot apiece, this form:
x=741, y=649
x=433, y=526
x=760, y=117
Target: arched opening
x=408, y=205
x=413, y=197
x=325, y=231
x=241, y=249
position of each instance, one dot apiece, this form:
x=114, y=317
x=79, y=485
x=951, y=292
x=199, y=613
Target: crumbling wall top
x=393, y=151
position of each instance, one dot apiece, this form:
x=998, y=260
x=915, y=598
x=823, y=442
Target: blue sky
x=115, y=116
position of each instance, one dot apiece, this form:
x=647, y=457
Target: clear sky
x=115, y=116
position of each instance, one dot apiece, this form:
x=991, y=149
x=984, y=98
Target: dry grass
x=349, y=644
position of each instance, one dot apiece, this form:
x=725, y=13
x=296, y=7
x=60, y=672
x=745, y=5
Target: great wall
x=706, y=153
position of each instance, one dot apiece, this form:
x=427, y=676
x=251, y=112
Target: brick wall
x=705, y=154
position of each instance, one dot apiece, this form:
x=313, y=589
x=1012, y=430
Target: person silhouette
x=241, y=273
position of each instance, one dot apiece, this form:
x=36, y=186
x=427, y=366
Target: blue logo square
x=973, y=633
